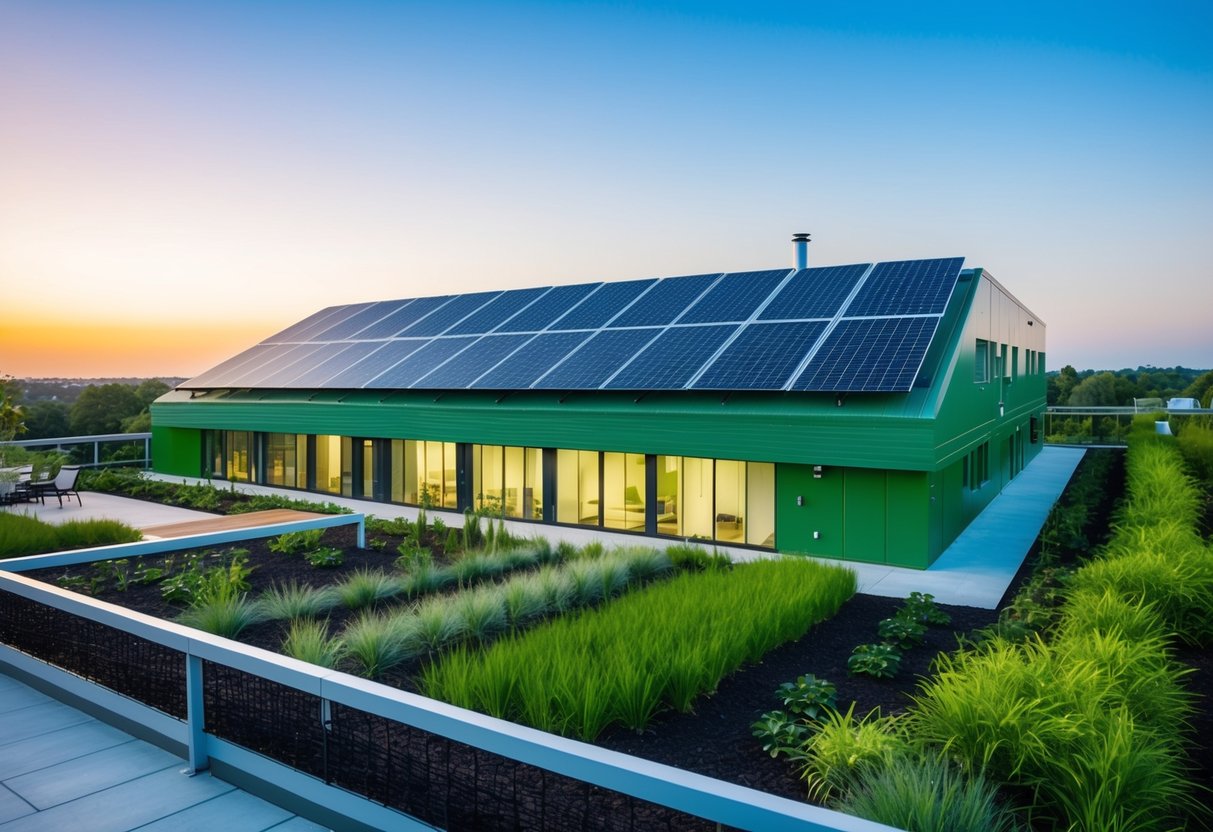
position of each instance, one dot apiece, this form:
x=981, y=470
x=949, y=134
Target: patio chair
x=63, y=485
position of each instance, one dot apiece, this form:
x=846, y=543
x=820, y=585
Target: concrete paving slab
x=96, y=506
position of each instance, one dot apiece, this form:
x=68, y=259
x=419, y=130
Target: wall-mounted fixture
x=1031, y=322
x=817, y=471
x=799, y=500
x=817, y=535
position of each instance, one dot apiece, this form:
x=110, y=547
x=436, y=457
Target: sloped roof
x=855, y=328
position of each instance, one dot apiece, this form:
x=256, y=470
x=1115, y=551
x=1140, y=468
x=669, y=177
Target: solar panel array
x=863, y=327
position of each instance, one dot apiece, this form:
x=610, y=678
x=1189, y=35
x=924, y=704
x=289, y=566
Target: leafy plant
x=325, y=557
x=808, y=697
x=903, y=633
x=921, y=607
x=879, y=660
x=294, y=543
x=843, y=747
x=780, y=733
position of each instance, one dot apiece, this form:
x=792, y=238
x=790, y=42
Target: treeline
x=1118, y=388
x=115, y=407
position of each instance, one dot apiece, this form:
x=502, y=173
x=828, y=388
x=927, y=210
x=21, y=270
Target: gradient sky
x=180, y=180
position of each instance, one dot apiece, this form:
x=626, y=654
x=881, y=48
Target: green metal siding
x=864, y=515
x=177, y=450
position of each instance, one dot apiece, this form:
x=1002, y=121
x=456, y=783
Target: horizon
x=184, y=181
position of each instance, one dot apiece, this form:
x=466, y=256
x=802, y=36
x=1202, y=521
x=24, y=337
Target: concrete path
x=974, y=571
x=60, y=769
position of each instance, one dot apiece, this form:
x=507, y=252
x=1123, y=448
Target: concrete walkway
x=60, y=769
x=975, y=570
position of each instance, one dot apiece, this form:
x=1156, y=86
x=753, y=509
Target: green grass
x=842, y=747
x=226, y=617
x=293, y=600
x=366, y=587
x=308, y=640
x=626, y=660
x=22, y=534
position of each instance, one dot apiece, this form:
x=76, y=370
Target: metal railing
x=69, y=445
x=363, y=752
x=1102, y=425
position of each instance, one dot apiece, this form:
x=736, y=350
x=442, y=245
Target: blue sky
x=198, y=175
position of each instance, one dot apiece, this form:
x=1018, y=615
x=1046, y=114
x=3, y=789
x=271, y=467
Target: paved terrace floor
x=60, y=769
x=975, y=570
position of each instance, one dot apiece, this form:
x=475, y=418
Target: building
x=865, y=412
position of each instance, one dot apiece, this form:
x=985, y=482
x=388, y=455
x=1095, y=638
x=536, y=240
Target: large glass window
x=334, y=474
x=623, y=489
x=532, y=492
x=760, y=504
x=981, y=362
x=697, y=497
x=508, y=480
x=577, y=487
x=488, y=477
x=241, y=466
x=286, y=460
x=730, y=501
x=427, y=476
x=669, y=496
x=722, y=499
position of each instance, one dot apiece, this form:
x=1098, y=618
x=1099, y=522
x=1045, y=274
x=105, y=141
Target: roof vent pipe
x=800, y=244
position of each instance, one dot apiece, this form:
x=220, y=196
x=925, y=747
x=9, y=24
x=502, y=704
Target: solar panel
x=451, y=313
x=670, y=361
x=496, y=312
x=603, y=305
x=389, y=354
x=548, y=308
x=265, y=371
x=519, y=371
x=321, y=367
x=215, y=375
x=907, y=287
x=358, y=321
x=814, y=293
x=308, y=323
x=734, y=298
x=665, y=301
x=872, y=355
x=402, y=318
x=762, y=357
x=597, y=359
x=343, y=312
x=420, y=362
x=465, y=367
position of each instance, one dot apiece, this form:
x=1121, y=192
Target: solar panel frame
x=734, y=297
x=672, y=358
x=596, y=360
x=497, y=311
x=668, y=299
x=762, y=357
x=814, y=293
x=462, y=369
x=285, y=355
x=359, y=321
x=419, y=363
x=870, y=355
x=907, y=287
x=520, y=369
x=402, y=318
x=319, y=371
x=320, y=326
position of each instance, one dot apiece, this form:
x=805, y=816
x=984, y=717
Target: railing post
x=362, y=531
x=96, y=452
x=195, y=711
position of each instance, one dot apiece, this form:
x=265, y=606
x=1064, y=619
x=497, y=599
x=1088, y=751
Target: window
x=1014, y=363
x=334, y=458
x=981, y=362
x=716, y=499
x=623, y=489
x=286, y=460
x=1006, y=365
x=508, y=480
x=241, y=464
x=577, y=487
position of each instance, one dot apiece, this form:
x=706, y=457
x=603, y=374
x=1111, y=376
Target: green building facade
x=875, y=475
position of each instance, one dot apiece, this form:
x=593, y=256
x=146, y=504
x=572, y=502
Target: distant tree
x=12, y=417
x=1099, y=390
x=150, y=390
x=1067, y=380
x=140, y=423
x=102, y=409
x=46, y=419
x=1201, y=389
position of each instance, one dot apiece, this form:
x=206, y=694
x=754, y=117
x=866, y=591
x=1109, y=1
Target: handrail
x=683, y=791
x=96, y=440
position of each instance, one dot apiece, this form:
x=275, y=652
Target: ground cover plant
x=651, y=650
x=22, y=534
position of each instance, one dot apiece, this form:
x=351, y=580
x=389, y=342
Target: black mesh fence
x=143, y=670
x=442, y=782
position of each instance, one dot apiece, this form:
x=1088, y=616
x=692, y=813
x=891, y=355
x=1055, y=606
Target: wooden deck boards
x=230, y=521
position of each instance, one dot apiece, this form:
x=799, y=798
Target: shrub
x=294, y=543
x=292, y=601
x=1196, y=444
x=780, y=733
x=921, y=607
x=308, y=641
x=903, y=633
x=926, y=793
x=808, y=697
x=326, y=557
x=879, y=660
x=842, y=747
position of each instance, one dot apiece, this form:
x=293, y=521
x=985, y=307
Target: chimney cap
x=801, y=237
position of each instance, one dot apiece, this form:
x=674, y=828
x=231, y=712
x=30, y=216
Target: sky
x=179, y=180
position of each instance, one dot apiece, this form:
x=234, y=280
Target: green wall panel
x=821, y=511
x=908, y=514
x=864, y=515
x=177, y=451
